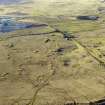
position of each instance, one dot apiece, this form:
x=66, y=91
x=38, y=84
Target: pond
x=6, y=2
x=9, y=24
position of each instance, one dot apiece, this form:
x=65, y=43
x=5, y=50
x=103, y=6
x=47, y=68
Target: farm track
x=89, y=51
x=43, y=83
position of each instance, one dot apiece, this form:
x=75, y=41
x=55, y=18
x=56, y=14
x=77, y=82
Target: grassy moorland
x=38, y=66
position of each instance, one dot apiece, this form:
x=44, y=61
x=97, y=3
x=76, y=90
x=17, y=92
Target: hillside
x=60, y=60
